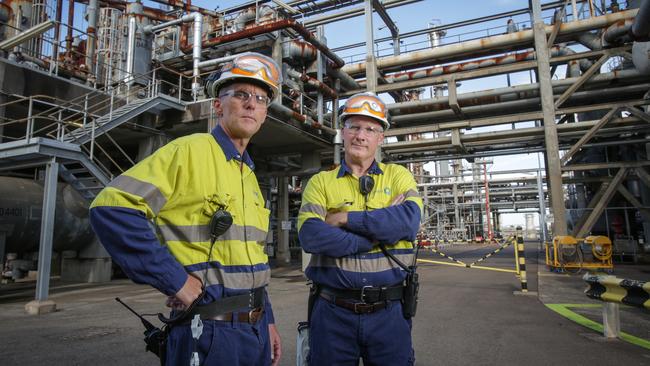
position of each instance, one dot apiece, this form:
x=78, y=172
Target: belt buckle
x=253, y=315
x=363, y=294
x=363, y=308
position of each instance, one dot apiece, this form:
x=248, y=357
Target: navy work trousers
x=222, y=343
x=338, y=336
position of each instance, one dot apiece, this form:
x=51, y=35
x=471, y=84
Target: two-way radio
x=154, y=337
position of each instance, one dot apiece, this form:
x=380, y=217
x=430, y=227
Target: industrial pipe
x=618, y=32
x=505, y=94
x=287, y=113
x=641, y=28
x=295, y=50
x=92, y=12
x=20, y=205
x=479, y=64
x=347, y=81
x=130, y=51
x=272, y=27
x=484, y=46
x=197, y=18
x=512, y=106
x=322, y=87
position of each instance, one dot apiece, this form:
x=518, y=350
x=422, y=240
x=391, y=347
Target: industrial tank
x=21, y=202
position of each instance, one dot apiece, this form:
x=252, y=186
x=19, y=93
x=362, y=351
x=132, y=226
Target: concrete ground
x=465, y=317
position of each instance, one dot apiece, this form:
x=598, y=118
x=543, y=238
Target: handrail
x=618, y=290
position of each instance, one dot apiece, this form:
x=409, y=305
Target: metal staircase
x=121, y=115
x=76, y=150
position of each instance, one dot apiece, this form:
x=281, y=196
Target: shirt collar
x=343, y=170
x=229, y=149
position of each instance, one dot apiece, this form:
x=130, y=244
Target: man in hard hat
x=210, y=226
x=344, y=222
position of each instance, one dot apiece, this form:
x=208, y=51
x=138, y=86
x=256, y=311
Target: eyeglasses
x=245, y=96
x=356, y=129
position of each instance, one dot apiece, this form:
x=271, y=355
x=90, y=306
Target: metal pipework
x=618, y=32
x=447, y=118
x=92, y=12
x=187, y=6
x=287, y=113
x=275, y=26
x=347, y=82
x=130, y=50
x=197, y=18
x=483, y=63
x=27, y=34
x=324, y=88
x=504, y=94
x=641, y=28
x=485, y=46
x=294, y=50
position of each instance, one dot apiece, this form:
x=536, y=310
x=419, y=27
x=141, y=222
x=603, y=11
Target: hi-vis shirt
x=179, y=188
x=348, y=257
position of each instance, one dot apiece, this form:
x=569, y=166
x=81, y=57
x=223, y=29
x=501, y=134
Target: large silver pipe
x=641, y=27
x=298, y=50
x=287, y=113
x=531, y=135
x=506, y=93
x=584, y=64
x=347, y=81
x=590, y=40
x=196, y=51
x=130, y=49
x=617, y=32
x=350, y=13
x=511, y=106
x=93, y=15
x=485, y=46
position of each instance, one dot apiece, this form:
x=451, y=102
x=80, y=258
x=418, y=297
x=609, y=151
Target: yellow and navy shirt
x=154, y=218
x=348, y=257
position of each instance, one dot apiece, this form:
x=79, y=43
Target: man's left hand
x=276, y=344
x=339, y=218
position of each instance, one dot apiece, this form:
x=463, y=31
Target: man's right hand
x=190, y=291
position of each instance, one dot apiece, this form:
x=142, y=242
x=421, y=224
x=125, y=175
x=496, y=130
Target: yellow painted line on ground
x=563, y=309
x=461, y=265
x=438, y=262
x=495, y=269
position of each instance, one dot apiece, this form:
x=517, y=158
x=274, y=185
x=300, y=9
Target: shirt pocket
x=261, y=220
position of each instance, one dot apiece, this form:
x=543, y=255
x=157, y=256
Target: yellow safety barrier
x=565, y=253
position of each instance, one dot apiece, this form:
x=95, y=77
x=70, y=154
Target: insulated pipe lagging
x=641, y=28
x=197, y=18
x=130, y=50
x=196, y=51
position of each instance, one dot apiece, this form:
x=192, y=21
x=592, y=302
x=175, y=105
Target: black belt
x=362, y=301
x=242, y=317
x=249, y=307
x=366, y=294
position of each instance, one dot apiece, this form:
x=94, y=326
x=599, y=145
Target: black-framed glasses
x=245, y=96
